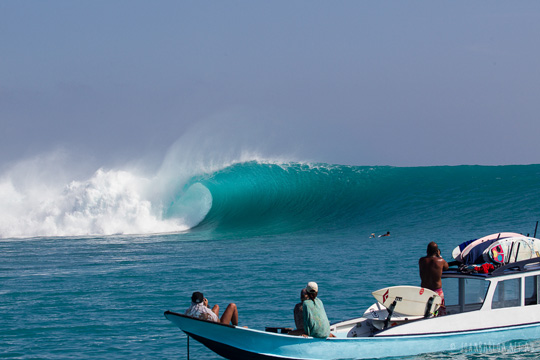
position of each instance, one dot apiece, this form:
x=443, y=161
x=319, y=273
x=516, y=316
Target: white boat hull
x=241, y=343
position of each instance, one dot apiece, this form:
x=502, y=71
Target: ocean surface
x=88, y=266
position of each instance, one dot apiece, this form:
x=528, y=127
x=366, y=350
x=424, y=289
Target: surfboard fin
x=429, y=304
x=390, y=312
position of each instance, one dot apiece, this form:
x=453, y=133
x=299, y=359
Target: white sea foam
x=109, y=202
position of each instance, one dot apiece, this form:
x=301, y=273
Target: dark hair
x=303, y=294
x=432, y=248
x=197, y=297
x=312, y=295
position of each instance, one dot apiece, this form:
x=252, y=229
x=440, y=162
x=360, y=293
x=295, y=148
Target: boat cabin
x=513, y=285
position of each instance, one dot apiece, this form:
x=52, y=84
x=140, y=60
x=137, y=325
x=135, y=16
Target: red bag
x=485, y=268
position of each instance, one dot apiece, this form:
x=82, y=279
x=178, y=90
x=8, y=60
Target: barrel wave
x=280, y=198
x=265, y=198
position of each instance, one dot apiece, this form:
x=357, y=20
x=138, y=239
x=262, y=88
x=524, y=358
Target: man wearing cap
x=199, y=309
x=316, y=322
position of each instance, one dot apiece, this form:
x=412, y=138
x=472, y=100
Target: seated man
x=199, y=309
x=298, y=311
x=431, y=267
x=316, y=322
x=299, y=314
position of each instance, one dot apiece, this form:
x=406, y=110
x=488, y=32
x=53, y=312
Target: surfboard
x=378, y=314
x=512, y=249
x=410, y=300
x=378, y=311
x=463, y=249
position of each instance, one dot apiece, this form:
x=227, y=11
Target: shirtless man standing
x=431, y=267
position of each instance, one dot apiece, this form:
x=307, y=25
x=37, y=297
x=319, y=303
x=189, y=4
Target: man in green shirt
x=316, y=322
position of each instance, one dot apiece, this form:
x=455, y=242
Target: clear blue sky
x=350, y=82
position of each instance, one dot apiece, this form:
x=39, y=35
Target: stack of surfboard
x=500, y=248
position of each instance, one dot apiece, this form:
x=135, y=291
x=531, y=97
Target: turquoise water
x=258, y=233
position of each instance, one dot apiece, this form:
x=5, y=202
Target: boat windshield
x=462, y=295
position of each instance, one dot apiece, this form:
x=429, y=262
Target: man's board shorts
x=442, y=308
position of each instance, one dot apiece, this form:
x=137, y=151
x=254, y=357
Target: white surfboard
x=410, y=300
x=463, y=249
x=378, y=314
x=512, y=249
x=378, y=311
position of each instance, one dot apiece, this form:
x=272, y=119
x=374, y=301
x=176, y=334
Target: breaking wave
x=259, y=196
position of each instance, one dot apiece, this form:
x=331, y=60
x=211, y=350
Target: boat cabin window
x=507, y=294
x=462, y=295
x=532, y=284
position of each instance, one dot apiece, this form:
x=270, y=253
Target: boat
x=483, y=310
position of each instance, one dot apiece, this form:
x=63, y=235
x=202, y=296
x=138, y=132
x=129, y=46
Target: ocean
x=88, y=266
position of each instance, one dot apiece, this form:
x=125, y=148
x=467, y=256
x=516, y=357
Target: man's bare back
x=431, y=268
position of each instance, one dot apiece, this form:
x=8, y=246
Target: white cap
x=312, y=287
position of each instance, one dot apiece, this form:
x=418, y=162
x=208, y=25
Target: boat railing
x=523, y=265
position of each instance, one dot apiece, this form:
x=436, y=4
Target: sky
x=402, y=83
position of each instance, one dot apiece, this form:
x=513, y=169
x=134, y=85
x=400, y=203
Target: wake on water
x=257, y=196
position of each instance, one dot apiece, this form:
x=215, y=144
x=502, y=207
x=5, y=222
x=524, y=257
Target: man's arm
x=445, y=265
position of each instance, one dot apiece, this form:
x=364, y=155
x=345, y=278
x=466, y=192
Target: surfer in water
x=431, y=267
